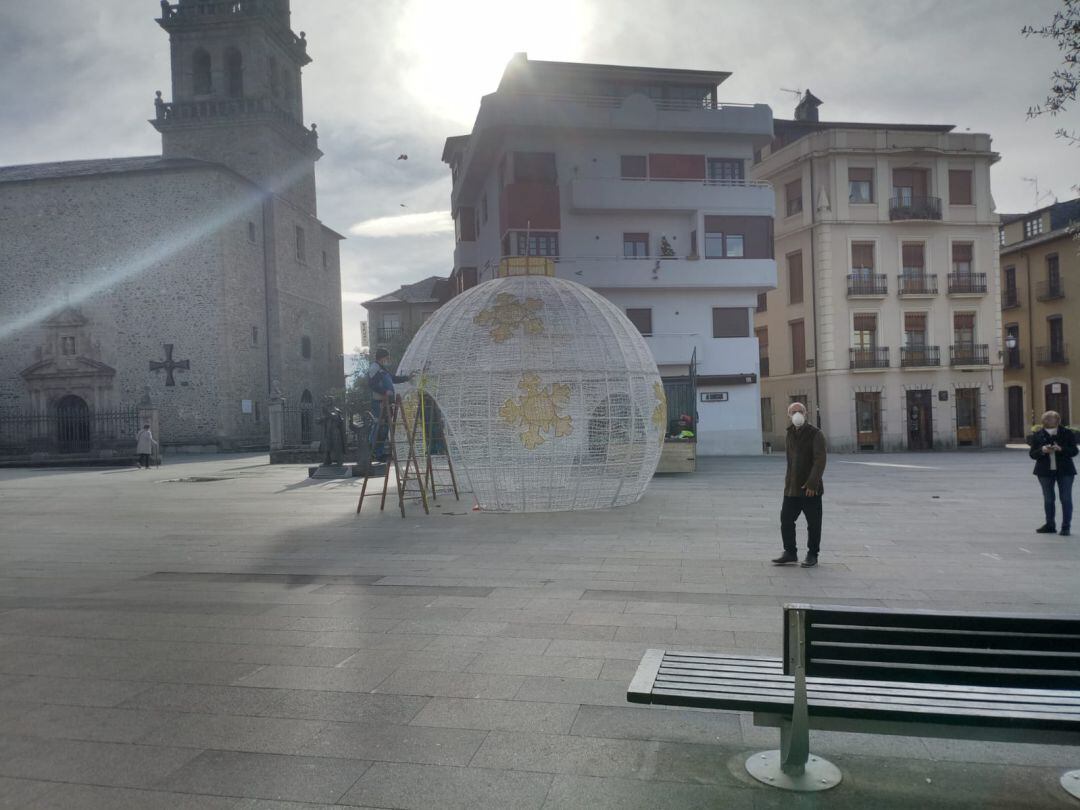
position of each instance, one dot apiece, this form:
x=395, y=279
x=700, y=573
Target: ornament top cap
x=526, y=266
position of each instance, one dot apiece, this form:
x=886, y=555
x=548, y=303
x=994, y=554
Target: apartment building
x=635, y=182
x=885, y=319
x=397, y=315
x=1040, y=274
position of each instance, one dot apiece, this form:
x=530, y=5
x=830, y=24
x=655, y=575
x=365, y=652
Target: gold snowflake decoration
x=508, y=313
x=537, y=410
x=659, y=414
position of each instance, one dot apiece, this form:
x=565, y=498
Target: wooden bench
x=956, y=675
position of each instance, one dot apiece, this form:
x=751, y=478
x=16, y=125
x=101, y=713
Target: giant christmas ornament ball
x=550, y=397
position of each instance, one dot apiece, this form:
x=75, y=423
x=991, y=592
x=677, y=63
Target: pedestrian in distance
x=1053, y=446
x=144, y=446
x=803, y=487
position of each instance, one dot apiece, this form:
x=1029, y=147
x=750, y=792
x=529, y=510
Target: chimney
x=807, y=108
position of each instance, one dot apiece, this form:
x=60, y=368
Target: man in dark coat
x=1053, y=447
x=381, y=382
x=802, y=486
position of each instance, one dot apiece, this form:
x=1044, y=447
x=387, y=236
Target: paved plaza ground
x=247, y=641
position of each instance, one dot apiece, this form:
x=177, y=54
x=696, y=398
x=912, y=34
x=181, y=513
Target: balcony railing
x=613, y=102
x=869, y=358
x=917, y=284
x=919, y=356
x=967, y=283
x=1050, y=290
x=867, y=284
x=969, y=354
x=1053, y=355
x=915, y=208
x=1012, y=359
x=1010, y=299
x=215, y=109
x=388, y=332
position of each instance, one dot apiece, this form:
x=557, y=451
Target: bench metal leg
x=1071, y=782
x=792, y=767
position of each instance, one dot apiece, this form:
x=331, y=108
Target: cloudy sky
x=392, y=76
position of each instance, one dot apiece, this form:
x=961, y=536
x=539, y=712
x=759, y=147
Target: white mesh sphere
x=550, y=397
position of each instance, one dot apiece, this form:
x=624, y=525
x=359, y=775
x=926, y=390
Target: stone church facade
x=201, y=278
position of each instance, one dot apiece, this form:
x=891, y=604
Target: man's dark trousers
x=789, y=513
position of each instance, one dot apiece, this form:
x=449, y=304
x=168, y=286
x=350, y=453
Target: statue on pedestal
x=333, y=433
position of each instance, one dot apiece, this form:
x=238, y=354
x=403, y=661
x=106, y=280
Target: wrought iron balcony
x=388, y=332
x=969, y=354
x=917, y=284
x=1050, y=290
x=877, y=357
x=1053, y=355
x=867, y=284
x=967, y=283
x=914, y=208
x=1012, y=359
x=1010, y=298
x=920, y=356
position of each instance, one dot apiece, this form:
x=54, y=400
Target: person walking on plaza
x=381, y=382
x=144, y=446
x=802, y=486
x=1053, y=447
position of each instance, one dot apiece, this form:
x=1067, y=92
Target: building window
x=251, y=232
x=484, y=209
x=465, y=224
x=1053, y=272
x=642, y=319
x=301, y=248
x=865, y=331
x=862, y=260
x=305, y=347
x=730, y=322
x=325, y=260
x=798, y=349
x=860, y=185
x=200, y=73
x=1001, y=236
x=964, y=328
x=959, y=187
x=909, y=187
x=766, y=415
x=763, y=302
x=634, y=167
x=793, y=197
x=962, y=253
x=725, y=170
x=762, y=335
x=539, y=243
x=635, y=245
x=913, y=259
x=795, y=277
x=1032, y=227
x=254, y=336
x=534, y=167
x=234, y=73
x=720, y=245
x=915, y=330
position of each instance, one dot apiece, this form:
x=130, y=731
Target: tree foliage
x=1064, y=30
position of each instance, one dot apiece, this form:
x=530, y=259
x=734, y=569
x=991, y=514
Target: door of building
x=967, y=417
x=1017, y=428
x=920, y=419
x=73, y=424
x=868, y=420
x=1057, y=399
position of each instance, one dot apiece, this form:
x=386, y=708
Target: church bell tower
x=237, y=94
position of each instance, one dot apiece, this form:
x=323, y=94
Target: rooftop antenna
x=797, y=93
x=1039, y=197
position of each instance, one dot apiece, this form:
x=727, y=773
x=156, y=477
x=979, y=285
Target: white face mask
x=1052, y=431
x=798, y=419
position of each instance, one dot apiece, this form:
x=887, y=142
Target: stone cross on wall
x=170, y=365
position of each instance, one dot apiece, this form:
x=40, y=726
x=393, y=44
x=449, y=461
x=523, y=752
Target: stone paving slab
x=267, y=648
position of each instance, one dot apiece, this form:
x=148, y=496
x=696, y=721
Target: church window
x=251, y=231
x=254, y=336
x=305, y=347
x=234, y=73
x=67, y=346
x=200, y=67
x=275, y=78
x=301, y=251
x=325, y=260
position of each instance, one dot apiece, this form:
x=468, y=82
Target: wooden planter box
x=678, y=456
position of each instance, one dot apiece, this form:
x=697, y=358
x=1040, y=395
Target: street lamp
x=1010, y=342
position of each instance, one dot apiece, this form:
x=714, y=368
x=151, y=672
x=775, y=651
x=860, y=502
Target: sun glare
x=453, y=53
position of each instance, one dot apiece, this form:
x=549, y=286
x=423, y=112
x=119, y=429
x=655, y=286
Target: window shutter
x=959, y=187
x=862, y=255
x=962, y=252
x=913, y=255
x=793, y=190
x=861, y=175
x=642, y=319
x=964, y=320
x=730, y=322
x=865, y=323
x=914, y=321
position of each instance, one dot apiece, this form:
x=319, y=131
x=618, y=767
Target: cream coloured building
x=885, y=320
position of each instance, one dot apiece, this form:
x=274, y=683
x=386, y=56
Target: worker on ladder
x=381, y=382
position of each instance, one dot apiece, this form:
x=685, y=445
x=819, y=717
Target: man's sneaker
x=1046, y=528
x=786, y=557
x=810, y=561
x=1065, y=531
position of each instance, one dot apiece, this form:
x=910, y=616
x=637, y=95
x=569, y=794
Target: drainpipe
x=1031, y=339
x=813, y=297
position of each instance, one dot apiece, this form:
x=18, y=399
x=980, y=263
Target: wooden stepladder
x=434, y=446
x=411, y=482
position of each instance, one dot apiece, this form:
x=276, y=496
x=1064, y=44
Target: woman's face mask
x=798, y=419
x=1052, y=431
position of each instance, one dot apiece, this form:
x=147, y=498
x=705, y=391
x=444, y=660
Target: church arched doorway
x=73, y=424
x=307, y=417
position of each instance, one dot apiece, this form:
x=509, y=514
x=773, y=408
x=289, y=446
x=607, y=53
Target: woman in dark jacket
x=1053, y=448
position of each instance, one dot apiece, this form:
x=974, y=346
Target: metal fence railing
x=68, y=430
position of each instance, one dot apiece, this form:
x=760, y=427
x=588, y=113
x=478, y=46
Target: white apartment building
x=886, y=319
x=635, y=181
